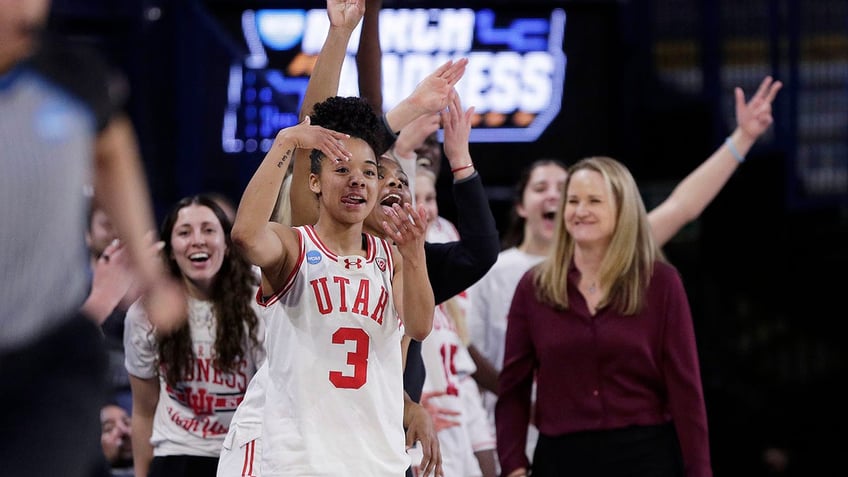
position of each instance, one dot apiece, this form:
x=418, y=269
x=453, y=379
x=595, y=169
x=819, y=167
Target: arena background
x=647, y=82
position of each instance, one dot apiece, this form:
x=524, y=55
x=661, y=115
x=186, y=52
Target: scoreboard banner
x=514, y=78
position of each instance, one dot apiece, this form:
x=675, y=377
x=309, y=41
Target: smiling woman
x=213, y=355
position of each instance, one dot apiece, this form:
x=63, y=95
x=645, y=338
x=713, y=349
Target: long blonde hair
x=628, y=265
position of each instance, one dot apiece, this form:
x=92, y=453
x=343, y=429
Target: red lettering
x=213, y=429
x=380, y=309
x=343, y=283
x=186, y=423
x=201, y=402
x=325, y=305
x=202, y=370
x=360, y=305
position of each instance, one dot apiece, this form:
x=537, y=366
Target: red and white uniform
x=446, y=360
x=449, y=368
x=334, y=397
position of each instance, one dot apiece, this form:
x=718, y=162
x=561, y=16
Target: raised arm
x=700, y=187
x=411, y=137
x=411, y=287
x=120, y=186
x=455, y=266
x=431, y=95
x=369, y=57
x=323, y=83
x=344, y=16
x=457, y=131
x=269, y=244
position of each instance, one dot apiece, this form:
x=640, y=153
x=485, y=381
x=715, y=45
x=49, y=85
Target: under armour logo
x=353, y=263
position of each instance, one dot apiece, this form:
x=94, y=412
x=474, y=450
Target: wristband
x=461, y=168
x=733, y=150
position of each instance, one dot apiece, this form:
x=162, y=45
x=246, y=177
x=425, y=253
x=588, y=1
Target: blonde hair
x=628, y=265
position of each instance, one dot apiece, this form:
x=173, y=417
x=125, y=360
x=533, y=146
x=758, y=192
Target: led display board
x=514, y=79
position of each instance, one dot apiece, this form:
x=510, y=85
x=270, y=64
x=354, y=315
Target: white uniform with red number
x=446, y=360
x=449, y=367
x=334, y=397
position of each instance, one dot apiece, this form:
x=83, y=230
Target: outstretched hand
x=433, y=92
x=407, y=227
x=754, y=117
x=345, y=13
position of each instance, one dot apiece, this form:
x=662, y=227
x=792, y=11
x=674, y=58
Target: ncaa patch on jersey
x=381, y=263
x=313, y=257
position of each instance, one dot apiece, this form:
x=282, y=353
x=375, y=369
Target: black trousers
x=183, y=466
x=51, y=392
x=638, y=451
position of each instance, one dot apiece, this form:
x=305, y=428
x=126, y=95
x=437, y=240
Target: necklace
x=592, y=288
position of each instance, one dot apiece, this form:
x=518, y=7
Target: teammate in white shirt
x=186, y=385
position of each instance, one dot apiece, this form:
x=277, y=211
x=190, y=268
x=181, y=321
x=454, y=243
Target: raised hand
x=754, y=117
x=433, y=92
x=412, y=136
x=345, y=13
x=457, y=125
x=407, y=227
x=112, y=279
x=306, y=136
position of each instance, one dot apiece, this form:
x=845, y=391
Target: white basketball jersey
x=447, y=360
x=334, y=402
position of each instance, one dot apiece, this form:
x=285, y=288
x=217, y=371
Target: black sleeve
x=388, y=136
x=414, y=372
x=82, y=72
x=454, y=266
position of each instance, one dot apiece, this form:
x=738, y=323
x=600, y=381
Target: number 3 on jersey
x=358, y=358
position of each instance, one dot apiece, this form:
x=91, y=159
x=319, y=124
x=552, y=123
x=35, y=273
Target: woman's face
x=198, y=245
x=348, y=189
x=540, y=201
x=590, y=210
x=425, y=194
x=394, y=189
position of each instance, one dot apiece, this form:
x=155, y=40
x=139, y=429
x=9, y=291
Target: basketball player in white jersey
x=334, y=400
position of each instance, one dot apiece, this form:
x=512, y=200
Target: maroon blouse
x=602, y=372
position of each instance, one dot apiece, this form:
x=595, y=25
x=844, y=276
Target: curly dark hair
x=353, y=116
x=232, y=293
